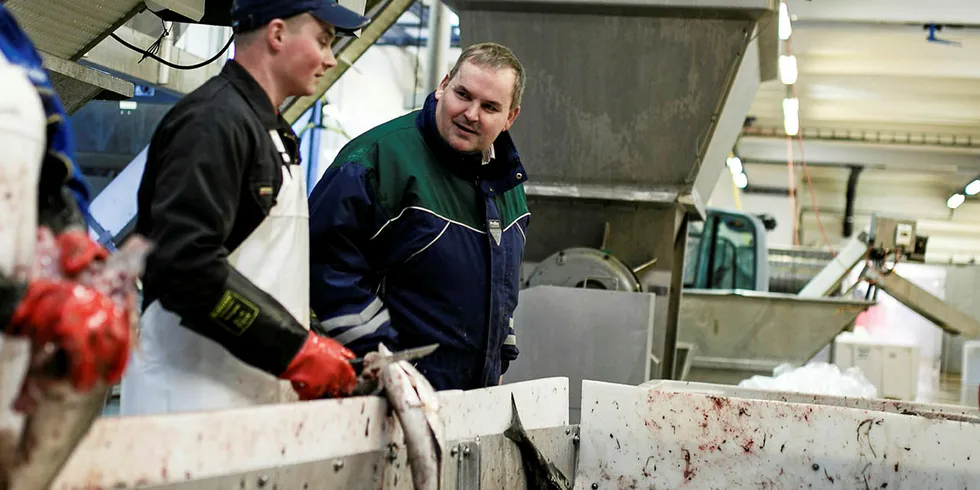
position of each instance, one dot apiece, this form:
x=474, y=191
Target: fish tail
x=516, y=431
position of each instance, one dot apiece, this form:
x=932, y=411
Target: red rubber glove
x=321, y=368
x=86, y=324
x=78, y=251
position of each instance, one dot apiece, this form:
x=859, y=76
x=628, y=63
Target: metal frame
x=928, y=410
x=834, y=272
x=637, y=437
x=946, y=317
x=205, y=447
x=77, y=84
x=490, y=462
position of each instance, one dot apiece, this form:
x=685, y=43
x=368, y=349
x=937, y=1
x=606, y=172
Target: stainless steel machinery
x=889, y=241
x=728, y=335
x=659, y=435
x=630, y=111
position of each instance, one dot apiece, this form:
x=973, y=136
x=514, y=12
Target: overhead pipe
x=313, y=157
x=440, y=36
x=852, y=180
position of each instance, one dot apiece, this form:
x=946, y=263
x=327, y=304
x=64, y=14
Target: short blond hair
x=495, y=57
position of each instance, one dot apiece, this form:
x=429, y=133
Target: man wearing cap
x=226, y=297
x=418, y=228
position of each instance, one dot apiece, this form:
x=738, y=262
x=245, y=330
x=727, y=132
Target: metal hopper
x=741, y=333
x=630, y=111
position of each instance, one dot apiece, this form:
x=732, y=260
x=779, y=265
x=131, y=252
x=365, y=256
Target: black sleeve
x=56, y=206
x=11, y=292
x=198, y=166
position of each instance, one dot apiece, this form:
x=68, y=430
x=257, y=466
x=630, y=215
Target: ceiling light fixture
x=791, y=115
x=741, y=180
x=955, y=201
x=785, y=25
x=734, y=165
x=787, y=69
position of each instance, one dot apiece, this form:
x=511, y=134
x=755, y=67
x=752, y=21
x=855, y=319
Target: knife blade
x=405, y=355
x=368, y=382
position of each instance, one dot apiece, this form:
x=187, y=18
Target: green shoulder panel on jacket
x=512, y=205
x=404, y=173
x=360, y=150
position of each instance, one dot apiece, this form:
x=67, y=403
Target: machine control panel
x=905, y=235
x=892, y=235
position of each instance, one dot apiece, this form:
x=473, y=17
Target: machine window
x=733, y=264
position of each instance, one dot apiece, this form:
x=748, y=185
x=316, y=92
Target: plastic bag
x=819, y=378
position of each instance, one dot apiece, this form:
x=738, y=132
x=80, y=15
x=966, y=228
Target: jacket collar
x=254, y=94
x=503, y=173
x=256, y=97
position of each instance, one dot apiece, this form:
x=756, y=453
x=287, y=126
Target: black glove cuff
x=57, y=210
x=11, y=294
x=250, y=323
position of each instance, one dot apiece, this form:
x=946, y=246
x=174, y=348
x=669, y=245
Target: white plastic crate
x=892, y=368
x=970, y=378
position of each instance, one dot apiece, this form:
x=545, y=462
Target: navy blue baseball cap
x=252, y=14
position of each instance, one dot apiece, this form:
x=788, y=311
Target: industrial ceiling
x=69, y=28
x=886, y=85
x=889, y=86
x=64, y=30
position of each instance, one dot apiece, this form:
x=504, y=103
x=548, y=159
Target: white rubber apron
x=23, y=138
x=176, y=370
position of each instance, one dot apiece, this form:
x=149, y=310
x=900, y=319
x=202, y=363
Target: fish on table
x=43, y=417
x=539, y=473
x=414, y=403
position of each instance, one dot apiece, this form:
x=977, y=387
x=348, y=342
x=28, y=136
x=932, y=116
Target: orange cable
x=806, y=173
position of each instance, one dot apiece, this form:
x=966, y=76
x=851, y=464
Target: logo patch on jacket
x=234, y=313
x=495, y=231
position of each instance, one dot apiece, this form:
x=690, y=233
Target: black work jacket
x=212, y=175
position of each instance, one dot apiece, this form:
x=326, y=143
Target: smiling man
x=226, y=319
x=418, y=228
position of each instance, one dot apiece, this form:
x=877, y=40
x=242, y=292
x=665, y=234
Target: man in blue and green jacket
x=418, y=228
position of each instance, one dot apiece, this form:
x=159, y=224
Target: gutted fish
x=49, y=415
x=416, y=405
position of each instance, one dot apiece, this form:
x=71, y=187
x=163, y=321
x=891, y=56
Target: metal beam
x=827, y=280
x=958, y=12
x=77, y=84
x=920, y=301
x=868, y=135
x=338, y=443
x=68, y=28
x=113, y=57
x=699, y=9
x=313, y=146
x=878, y=155
x=192, y=9
x=349, y=50
x=757, y=65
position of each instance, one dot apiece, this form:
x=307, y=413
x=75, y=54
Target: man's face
x=474, y=107
x=305, y=54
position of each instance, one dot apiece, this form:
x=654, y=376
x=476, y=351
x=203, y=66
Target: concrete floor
x=935, y=387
